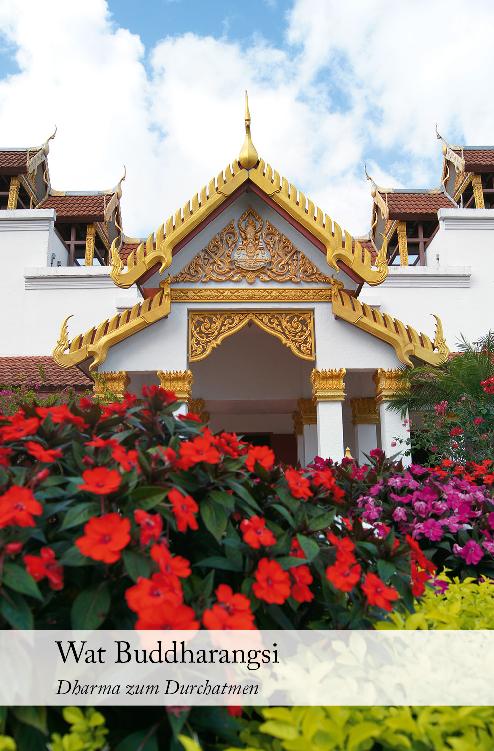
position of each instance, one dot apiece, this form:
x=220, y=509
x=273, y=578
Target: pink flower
x=471, y=552
x=478, y=420
x=440, y=408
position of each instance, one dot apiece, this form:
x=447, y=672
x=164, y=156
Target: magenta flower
x=471, y=552
x=399, y=514
x=431, y=529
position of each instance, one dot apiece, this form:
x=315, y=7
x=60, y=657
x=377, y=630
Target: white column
x=330, y=430
x=394, y=430
x=311, y=444
x=365, y=417
x=328, y=388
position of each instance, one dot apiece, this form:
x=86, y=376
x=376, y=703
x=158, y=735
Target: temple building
x=250, y=302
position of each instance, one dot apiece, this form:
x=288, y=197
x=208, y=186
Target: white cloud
x=362, y=80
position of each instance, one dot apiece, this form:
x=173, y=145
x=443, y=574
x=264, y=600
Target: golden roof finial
x=248, y=156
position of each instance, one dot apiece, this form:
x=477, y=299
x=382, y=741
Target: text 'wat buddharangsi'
x=250, y=301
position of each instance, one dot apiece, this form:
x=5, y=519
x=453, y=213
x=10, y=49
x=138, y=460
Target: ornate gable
x=251, y=249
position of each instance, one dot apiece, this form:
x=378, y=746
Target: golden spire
x=248, y=156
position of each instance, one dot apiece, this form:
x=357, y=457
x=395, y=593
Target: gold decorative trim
x=405, y=340
x=308, y=411
x=454, y=158
x=298, y=425
x=97, y=341
x=248, y=156
x=478, y=192
x=294, y=329
x=381, y=203
x=90, y=244
x=178, y=381
x=364, y=411
x=328, y=385
x=403, y=243
x=110, y=385
x=462, y=181
x=199, y=407
x=388, y=383
x=250, y=249
x=246, y=295
x=15, y=184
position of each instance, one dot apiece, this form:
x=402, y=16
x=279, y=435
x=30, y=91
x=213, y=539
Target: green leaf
x=244, y=494
x=91, y=607
x=289, y=561
x=33, y=716
x=136, y=564
x=322, y=521
x=73, y=557
x=215, y=518
x=285, y=513
x=310, y=547
x=147, y=497
x=17, y=578
x=189, y=744
x=224, y=499
x=360, y=733
x=143, y=740
x=216, y=561
x=16, y=611
x=385, y=569
x=79, y=514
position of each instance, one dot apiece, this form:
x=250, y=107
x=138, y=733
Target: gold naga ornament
x=250, y=249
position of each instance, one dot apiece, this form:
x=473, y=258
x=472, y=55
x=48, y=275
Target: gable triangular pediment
x=250, y=249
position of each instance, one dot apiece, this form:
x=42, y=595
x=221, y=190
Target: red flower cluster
x=261, y=455
x=299, y=485
x=45, y=566
x=19, y=426
x=105, y=537
x=18, y=507
x=488, y=385
x=231, y=611
x=200, y=449
x=158, y=600
x=41, y=454
x=272, y=584
x=184, y=509
x=325, y=479
x=344, y=574
x=421, y=569
x=377, y=593
x=59, y=415
x=255, y=532
x=301, y=578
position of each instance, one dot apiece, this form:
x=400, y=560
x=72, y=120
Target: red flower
x=5, y=453
x=301, y=578
x=344, y=548
x=169, y=617
x=296, y=549
x=100, y=480
x=343, y=575
x=60, y=414
x=378, y=594
x=229, y=444
x=299, y=486
x=42, y=454
x=325, y=479
x=148, y=594
x=198, y=450
x=272, y=583
x=19, y=427
x=167, y=454
x=101, y=443
x=232, y=611
x=455, y=432
x=18, y=506
x=478, y=420
x=488, y=385
x=14, y=547
x=261, y=455
x=127, y=459
x=151, y=526
x=105, y=537
x=234, y=711
x=45, y=566
x=163, y=395
x=192, y=416
x=255, y=532
x=184, y=509
x=171, y=565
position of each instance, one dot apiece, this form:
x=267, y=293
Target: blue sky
x=158, y=86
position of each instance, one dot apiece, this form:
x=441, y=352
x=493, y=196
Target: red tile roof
x=13, y=162
x=416, y=205
x=477, y=160
x=89, y=208
x=42, y=372
x=127, y=248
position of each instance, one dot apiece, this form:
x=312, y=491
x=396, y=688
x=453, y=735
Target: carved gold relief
x=250, y=249
x=294, y=328
x=178, y=381
x=110, y=385
x=247, y=295
x=478, y=193
x=364, y=411
x=389, y=383
x=90, y=244
x=308, y=411
x=15, y=184
x=328, y=385
x=403, y=243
